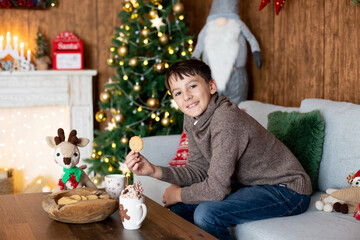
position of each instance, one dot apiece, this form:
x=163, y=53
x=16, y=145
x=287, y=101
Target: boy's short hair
x=188, y=68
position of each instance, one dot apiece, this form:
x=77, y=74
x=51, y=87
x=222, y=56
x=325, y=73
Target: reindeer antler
x=61, y=136
x=72, y=137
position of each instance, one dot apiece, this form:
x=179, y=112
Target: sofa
x=340, y=156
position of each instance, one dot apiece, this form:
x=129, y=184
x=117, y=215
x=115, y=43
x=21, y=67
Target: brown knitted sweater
x=227, y=144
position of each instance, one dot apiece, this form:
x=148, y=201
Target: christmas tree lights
x=152, y=37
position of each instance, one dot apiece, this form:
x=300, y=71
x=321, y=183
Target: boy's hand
x=172, y=195
x=139, y=165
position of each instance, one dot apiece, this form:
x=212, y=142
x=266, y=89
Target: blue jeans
x=243, y=205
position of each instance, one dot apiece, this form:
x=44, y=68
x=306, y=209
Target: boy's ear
x=213, y=87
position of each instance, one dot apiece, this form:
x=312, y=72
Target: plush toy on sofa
x=67, y=155
x=345, y=200
x=222, y=45
x=326, y=201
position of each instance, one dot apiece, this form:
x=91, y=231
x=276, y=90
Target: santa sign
x=67, y=52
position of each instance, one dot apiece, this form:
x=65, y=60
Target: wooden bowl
x=86, y=211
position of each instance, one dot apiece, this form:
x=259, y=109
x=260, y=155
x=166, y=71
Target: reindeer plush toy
x=67, y=155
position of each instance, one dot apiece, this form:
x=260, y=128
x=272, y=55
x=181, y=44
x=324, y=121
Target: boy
x=237, y=171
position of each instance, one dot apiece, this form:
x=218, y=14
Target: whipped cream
x=132, y=191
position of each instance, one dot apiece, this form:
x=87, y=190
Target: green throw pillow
x=303, y=134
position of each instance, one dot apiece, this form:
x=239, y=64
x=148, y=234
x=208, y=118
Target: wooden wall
x=310, y=50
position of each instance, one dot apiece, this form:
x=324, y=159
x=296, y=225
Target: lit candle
x=1, y=42
x=28, y=55
x=22, y=49
x=8, y=38
x=15, y=43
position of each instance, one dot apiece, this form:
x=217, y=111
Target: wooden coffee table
x=22, y=217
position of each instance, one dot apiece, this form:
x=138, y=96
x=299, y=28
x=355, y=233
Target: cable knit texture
x=227, y=144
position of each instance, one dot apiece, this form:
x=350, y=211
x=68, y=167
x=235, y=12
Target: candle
x=22, y=49
x=1, y=42
x=15, y=43
x=28, y=55
x=8, y=38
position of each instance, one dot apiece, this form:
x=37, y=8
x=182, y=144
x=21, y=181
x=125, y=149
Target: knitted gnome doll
x=222, y=44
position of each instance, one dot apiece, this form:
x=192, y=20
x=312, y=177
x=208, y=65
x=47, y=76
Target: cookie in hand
x=136, y=144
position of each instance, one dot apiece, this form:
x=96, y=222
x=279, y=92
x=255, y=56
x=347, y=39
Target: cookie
x=104, y=197
x=136, y=144
x=90, y=197
x=76, y=197
x=66, y=200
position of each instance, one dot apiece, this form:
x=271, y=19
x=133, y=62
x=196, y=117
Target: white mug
x=114, y=184
x=133, y=212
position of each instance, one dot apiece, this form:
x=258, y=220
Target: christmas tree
x=41, y=45
x=151, y=37
x=41, y=53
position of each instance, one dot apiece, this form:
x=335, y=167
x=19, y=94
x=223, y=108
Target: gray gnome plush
x=222, y=45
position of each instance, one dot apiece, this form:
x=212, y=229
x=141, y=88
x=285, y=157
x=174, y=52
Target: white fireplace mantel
x=53, y=88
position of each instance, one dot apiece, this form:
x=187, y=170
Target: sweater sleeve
x=195, y=170
x=229, y=139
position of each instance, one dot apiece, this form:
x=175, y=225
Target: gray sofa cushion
x=260, y=111
x=341, y=151
x=312, y=224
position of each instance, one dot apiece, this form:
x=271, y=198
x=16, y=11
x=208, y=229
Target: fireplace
x=34, y=105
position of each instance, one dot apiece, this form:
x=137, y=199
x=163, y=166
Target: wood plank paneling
x=281, y=51
x=348, y=60
x=332, y=51
x=261, y=24
x=314, y=88
x=196, y=14
x=85, y=26
x=310, y=50
x=356, y=52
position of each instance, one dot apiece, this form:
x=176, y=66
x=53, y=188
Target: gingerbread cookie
x=136, y=144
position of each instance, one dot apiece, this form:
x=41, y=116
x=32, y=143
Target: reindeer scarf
x=69, y=174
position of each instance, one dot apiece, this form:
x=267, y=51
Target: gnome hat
x=352, y=178
x=224, y=8
x=357, y=176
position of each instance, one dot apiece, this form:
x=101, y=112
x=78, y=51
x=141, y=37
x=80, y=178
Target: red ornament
x=278, y=5
x=263, y=4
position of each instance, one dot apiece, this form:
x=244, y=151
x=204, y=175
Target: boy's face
x=192, y=94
